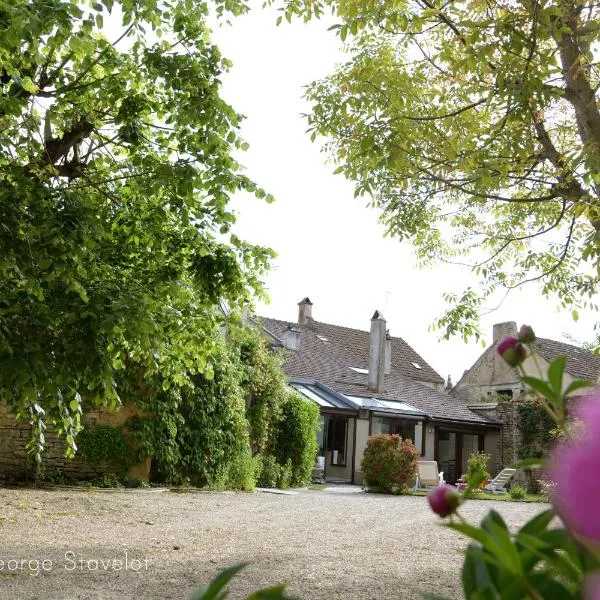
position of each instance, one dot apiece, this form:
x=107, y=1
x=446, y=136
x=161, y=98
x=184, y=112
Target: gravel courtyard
x=334, y=544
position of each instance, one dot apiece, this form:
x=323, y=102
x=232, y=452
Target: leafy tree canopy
x=474, y=126
x=115, y=175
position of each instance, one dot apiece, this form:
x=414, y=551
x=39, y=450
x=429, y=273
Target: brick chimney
x=377, y=353
x=304, y=312
x=501, y=330
x=291, y=337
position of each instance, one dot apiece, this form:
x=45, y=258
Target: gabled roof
x=581, y=363
x=327, y=352
x=352, y=345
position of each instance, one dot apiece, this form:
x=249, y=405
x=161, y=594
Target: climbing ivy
x=225, y=429
x=103, y=443
x=535, y=428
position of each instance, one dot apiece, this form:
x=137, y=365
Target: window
x=416, y=365
x=411, y=430
x=505, y=393
x=360, y=370
x=323, y=339
x=336, y=440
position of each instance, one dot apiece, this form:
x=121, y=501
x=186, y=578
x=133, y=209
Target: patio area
x=338, y=543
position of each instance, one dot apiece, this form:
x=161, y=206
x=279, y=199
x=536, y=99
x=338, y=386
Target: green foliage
x=296, y=442
x=275, y=475
x=103, y=443
x=463, y=122
x=228, y=431
x=389, y=462
x=535, y=428
x=477, y=467
x=199, y=431
x=217, y=588
x=116, y=170
x=518, y=492
x=108, y=480
x=264, y=384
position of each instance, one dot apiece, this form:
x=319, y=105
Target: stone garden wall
x=16, y=465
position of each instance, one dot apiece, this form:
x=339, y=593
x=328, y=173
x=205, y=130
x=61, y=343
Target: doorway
x=452, y=451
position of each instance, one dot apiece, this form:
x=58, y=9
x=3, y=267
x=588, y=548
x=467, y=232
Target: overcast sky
x=330, y=245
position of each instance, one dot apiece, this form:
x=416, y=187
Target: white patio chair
x=498, y=484
x=428, y=475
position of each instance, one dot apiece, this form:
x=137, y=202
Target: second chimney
x=304, y=312
x=502, y=330
x=377, y=353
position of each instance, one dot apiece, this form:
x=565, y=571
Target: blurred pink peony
x=444, y=500
x=591, y=586
x=575, y=469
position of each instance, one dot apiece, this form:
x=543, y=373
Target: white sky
x=330, y=245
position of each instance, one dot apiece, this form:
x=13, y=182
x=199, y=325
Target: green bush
x=389, y=462
x=477, y=467
x=275, y=475
x=517, y=492
x=296, y=442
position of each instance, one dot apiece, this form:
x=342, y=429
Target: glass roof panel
x=312, y=396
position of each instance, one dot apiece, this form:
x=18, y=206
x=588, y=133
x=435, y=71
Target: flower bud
x=512, y=351
x=443, y=500
x=526, y=334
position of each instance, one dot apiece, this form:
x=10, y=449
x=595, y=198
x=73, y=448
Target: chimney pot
x=304, y=312
x=376, y=377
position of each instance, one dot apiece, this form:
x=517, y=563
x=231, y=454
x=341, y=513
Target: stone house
x=369, y=382
x=489, y=382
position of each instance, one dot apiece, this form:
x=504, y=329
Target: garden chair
x=498, y=484
x=428, y=475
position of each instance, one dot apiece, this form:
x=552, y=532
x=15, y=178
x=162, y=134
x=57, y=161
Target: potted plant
x=478, y=464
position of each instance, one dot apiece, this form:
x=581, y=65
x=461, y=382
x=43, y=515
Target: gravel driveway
x=334, y=544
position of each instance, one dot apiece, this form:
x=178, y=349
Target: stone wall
x=16, y=465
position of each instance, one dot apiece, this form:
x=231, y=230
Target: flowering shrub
x=388, y=462
x=540, y=561
x=477, y=465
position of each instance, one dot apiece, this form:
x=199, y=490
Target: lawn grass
x=488, y=496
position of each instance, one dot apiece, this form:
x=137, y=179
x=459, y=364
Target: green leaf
x=538, y=523
x=215, y=590
x=540, y=386
x=556, y=370
x=578, y=384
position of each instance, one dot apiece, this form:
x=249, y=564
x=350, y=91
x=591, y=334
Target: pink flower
x=512, y=351
x=444, y=500
x=575, y=468
x=591, y=586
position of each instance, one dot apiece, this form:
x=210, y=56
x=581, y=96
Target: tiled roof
x=580, y=363
x=329, y=362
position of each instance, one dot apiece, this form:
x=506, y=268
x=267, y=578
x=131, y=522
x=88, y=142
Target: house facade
x=368, y=382
x=490, y=382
